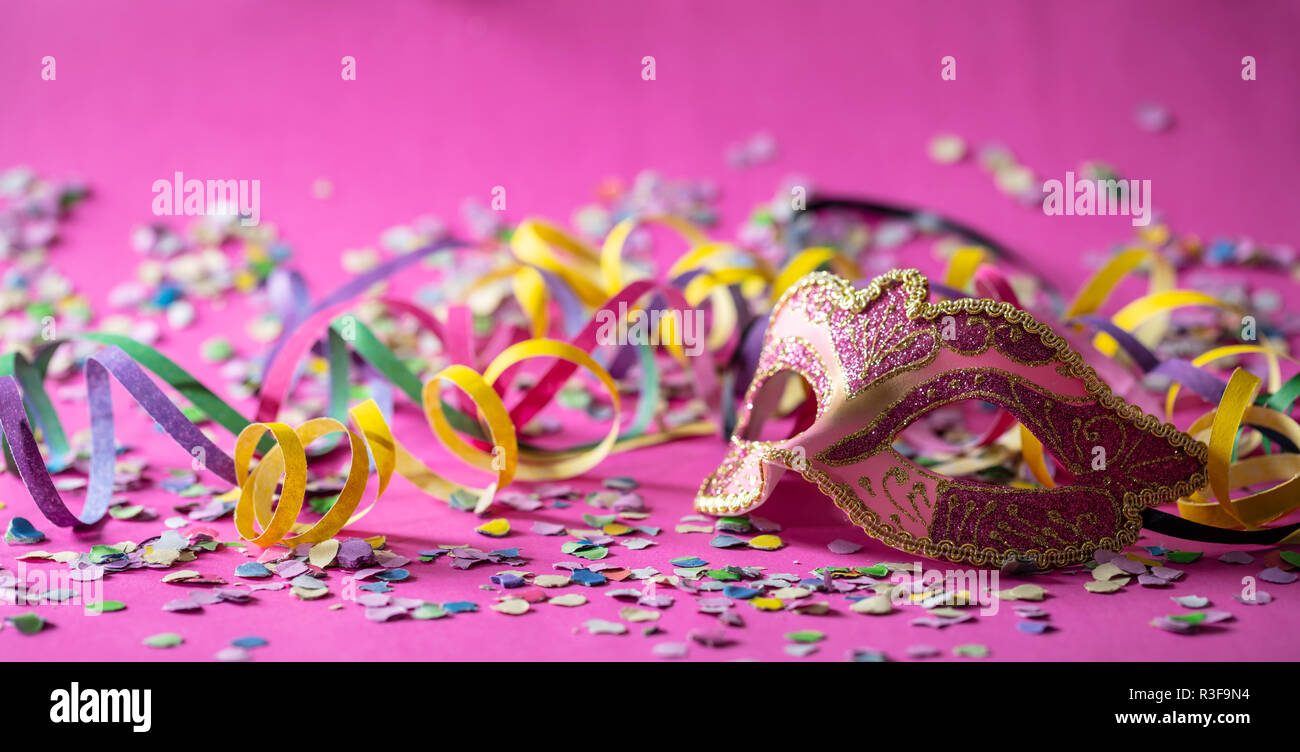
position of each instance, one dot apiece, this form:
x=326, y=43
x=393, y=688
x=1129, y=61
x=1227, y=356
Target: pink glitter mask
x=879, y=358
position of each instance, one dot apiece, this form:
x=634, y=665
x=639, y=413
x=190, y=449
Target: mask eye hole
x=784, y=407
x=965, y=433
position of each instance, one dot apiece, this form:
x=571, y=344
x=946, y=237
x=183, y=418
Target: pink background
x=546, y=99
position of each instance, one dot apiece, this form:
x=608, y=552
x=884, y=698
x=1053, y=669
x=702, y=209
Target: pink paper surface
x=546, y=99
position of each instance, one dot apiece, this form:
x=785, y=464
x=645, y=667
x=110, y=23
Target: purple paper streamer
x=111, y=361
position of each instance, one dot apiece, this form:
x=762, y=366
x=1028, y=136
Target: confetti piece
x=322, y=554
x=1106, y=586
x=922, y=651
x=733, y=525
x=841, y=546
x=307, y=594
x=1260, y=598
x=791, y=593
x=946, y=148
x=512, y=606
x=636, y=615
x=1171, y=625
x=1236, y=557
x=1191, y=601
x=722, y=575
x=29, y=623
x=1152, y=117
x=974, y=650
x=497, y=528
x=291, y=569
x=766, y=543
x=459, y=607
x=588, y=578
x=163, y=640
x=671, y=650
x=876, y=605
x=688, y=561
x=710, y=638
x=551, y=580
x=1183, y=557
x=1278, y=576
x=585, y=550
x=126, y=511
x=767, y=604
x=805, y=635
x=355, y=553
x=726, y=541
x=233, y=654
x=429, y=611
x=216, y=350
x=1025, y=592
x=1141, y=560
x=307, y=582
x=1166, y=573
x=1107, y=571
x=22, y=532
x=248, y=642
x=1033, y=627
x=620, y=483
x=384, y=613
x=600, y=626
x=867, y=655
x=740, y=592
x=568, y=600
x=181, y=575
x=687, y=528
